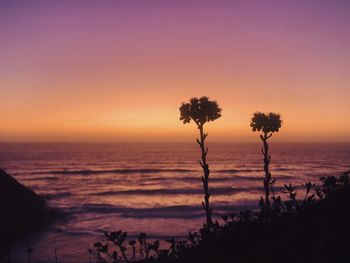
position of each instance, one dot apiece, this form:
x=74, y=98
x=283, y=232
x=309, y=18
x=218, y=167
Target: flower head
x=200, y=111
x=266, y=123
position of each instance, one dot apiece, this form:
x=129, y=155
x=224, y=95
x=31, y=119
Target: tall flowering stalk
x=202, y=111
x=267, y=124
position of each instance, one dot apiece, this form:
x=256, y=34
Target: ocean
x=150, y=187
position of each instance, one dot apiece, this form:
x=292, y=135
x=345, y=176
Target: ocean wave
x=41, y=178
x=213, y=178
x=149, y=170
x=233, y=171
x=281, y=169
x=57, y=195
x=182, y=191
x=115, y=171
x=177, y=211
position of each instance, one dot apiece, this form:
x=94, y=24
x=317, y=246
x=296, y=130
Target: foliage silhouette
x=267, y=124
x=29, y=252
x=310, y=229
x=201, y=111
x=122, y=252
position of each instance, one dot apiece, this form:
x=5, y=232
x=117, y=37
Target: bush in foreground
x=313, y=228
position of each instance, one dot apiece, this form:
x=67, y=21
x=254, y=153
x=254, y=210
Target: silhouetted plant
x=90, y=252
x=193, y=239
x=132, y=243
x=329, y=185
x=267, y=124
x=304, y=230
x=147, y=247
x=118, y=238
x=147, y=250
x=292, y=194
x=56, y=257
x=142, y=242
x=202, y=111
x=308, y=187
x=177, y=247
x=5, y=251
x=100, y=249
x=29, y=252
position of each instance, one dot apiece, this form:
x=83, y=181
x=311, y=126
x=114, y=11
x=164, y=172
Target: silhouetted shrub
x=309, y=229
x=306, y=229
x=124, y=251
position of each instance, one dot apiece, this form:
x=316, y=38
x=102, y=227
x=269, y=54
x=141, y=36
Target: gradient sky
x=118, y=70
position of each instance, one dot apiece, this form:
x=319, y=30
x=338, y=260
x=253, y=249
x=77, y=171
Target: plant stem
x=123, y=253
x=267, y=159
x=205, y=178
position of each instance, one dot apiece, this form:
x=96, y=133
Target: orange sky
x=118, y=71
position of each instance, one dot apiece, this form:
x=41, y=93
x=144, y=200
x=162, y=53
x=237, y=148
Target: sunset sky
x=119, y=70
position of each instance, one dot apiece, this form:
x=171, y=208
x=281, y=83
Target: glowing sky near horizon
x=118, y=70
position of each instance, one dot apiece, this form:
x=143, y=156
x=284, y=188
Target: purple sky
x=118, y=70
